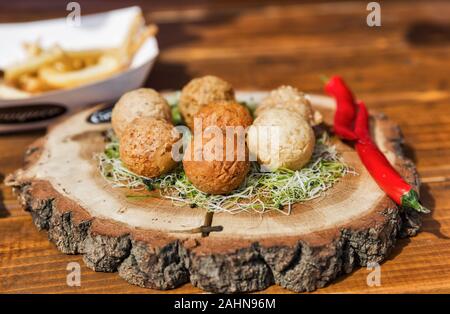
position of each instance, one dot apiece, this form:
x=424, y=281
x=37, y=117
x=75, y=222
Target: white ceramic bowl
x=104, y=30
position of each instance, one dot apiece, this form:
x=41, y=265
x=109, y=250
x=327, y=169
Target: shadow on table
x=409, y=152
x=396, y=250
x=424, y=33
x=430, y=224
x=3, y=211
x=168, y=76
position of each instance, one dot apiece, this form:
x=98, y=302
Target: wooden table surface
x=401, y=68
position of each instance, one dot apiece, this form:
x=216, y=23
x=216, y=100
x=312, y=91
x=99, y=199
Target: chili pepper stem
x=411, y=200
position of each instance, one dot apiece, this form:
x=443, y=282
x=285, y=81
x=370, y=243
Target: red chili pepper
x=345, y=108
x=376, y=163
x=379, y=167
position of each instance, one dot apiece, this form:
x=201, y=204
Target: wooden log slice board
x=353, y=224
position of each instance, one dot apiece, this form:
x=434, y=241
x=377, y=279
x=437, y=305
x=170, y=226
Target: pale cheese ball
x=202, y=91
x=290, y=98
x=142, y=102
x=281, y=138
x=146, y=146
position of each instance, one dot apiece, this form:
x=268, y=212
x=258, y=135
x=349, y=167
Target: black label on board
x=30, y=113
x=101, y=116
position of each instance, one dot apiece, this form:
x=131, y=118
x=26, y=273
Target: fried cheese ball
x=142, y=102
x=290, y=98
x=223, y=114
x=280, y=137
x=214, y=176
x=146, y=146
x=217, y=164
x=202, y=91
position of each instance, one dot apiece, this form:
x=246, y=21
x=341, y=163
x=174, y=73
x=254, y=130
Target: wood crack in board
x=207, y=225
x=204, y=229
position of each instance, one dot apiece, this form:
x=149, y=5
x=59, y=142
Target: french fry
x=32, y=48
x=124, y=52
x=9, y=92
x=87, y=55
x=33, y=64
x=63, y=65
x=142, y=36
x=55, y=68
x=107, y=66
x=32, y=84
